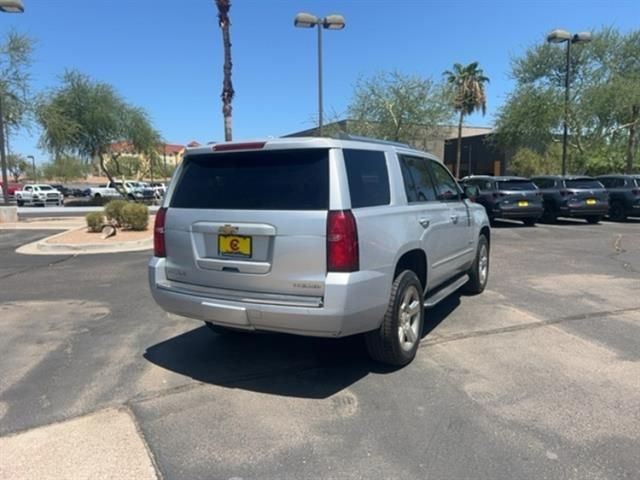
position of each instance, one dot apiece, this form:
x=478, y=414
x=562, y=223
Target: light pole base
x=8, y=214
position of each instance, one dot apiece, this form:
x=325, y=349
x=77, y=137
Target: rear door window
x=368, y=177
x=544, y=182
x=518, y=185
x=296, y=179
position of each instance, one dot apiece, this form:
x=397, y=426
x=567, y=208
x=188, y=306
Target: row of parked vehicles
x=39, y=194
x=550, y=197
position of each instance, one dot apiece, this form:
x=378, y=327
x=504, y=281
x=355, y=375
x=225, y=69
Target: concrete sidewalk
x=102, y=445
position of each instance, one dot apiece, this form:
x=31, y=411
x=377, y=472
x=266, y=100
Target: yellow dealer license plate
x=523, y=203
x=234, y=246
x=591, y=201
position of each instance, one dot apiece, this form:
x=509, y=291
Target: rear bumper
x=518, y=212
x=352, y=303
x=599, y=210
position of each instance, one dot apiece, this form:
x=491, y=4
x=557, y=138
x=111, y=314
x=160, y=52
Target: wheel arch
x=414, y=259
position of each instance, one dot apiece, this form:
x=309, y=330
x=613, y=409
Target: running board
x=444, y=292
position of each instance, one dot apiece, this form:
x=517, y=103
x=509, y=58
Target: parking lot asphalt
x=539, y=377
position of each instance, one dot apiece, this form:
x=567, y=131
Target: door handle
x=424, y=222
x=454, y=218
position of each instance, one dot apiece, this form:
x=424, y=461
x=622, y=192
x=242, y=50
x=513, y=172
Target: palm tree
x=227, y=87
x=468, y=96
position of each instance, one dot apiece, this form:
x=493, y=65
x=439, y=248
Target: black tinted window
x=417, y=179
x=544, y=182
x=368, y=177
x=261, y=180
x=583, y=183
x=446, y=186
x=516, y=185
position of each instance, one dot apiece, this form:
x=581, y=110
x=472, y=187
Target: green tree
x=17, y=165
x=224, y=22
x=397, y=107
x=15, y=59
x=467, y=96
x=65, y=168
x=83, y=117
x=604, y=106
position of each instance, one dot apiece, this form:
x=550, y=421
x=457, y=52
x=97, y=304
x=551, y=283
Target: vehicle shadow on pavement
x=436, y=315
x=268, y=363
x=500, y=223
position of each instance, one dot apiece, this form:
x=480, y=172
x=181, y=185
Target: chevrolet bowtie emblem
x=228, y=230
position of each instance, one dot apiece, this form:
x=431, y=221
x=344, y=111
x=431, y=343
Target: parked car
x=11, y=190
x=508, y=197
x=38, y=194
x=134, y=190
x=573, y=197
x=159, y=189
x=318, y=237
x=102, y=191
x=624, y=195
x=62, y=189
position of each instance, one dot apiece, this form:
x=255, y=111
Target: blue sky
x=166, y=55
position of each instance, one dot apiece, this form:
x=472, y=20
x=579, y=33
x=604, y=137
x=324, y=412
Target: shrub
x=113, y=211
x=95, y=220
x=135, y=216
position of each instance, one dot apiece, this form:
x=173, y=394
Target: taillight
x=159, y=248
x=342, y=242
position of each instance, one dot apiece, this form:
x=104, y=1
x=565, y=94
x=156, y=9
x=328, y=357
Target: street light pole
x=560, y=36
x=6, y=6
x=331, y=22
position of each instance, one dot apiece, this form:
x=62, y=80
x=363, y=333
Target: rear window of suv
x=368, y=177
x=296, y=179
x=518, y=185
x=583, y=183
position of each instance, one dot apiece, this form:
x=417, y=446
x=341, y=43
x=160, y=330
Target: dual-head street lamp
x=562, y=36
x=330, y=22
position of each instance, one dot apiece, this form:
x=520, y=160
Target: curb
x=43, y=247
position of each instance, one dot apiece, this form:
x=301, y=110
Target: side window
x=27, y=189
x=446, y=187
x=417, y=179
x=486, y=185
x=620, y=182
x=607, y=182
x=368, y=177
x=543, y=182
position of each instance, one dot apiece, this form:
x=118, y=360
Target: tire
x=593, y=220
x=550, y=216
x=479, y=271
x=97, y=195
x=616, y=212
x=530, y=222
x=20, y=203
x=396, y=341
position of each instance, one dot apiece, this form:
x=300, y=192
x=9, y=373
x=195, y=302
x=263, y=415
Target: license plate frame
x=239, y=246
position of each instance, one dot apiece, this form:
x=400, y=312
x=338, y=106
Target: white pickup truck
x=139, y=191
x=103, y=191
x=39, y=194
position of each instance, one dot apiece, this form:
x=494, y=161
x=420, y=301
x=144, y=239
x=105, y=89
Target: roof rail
x=359, y=138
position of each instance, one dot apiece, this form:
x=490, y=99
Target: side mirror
x=471, y=192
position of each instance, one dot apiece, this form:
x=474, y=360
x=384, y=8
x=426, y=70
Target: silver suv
x=319, y=237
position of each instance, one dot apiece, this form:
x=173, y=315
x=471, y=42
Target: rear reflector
x=227, y=147
x=342, y=242
x=159, y=249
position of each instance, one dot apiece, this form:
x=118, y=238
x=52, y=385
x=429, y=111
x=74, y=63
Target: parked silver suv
x=317, y=236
